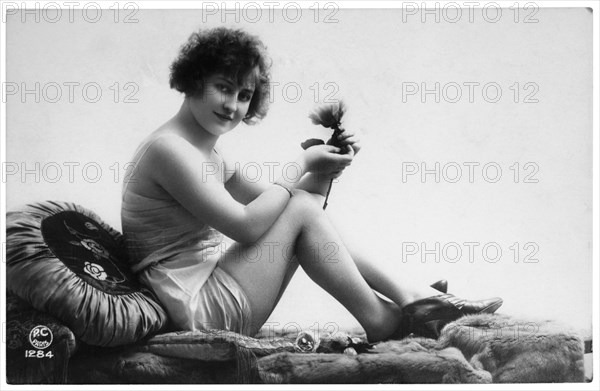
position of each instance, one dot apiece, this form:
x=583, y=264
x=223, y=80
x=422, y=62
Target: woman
x=185, y=196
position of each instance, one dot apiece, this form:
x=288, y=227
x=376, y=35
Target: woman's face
x=222, y=104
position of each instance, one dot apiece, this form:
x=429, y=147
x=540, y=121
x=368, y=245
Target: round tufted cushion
x=64, y=260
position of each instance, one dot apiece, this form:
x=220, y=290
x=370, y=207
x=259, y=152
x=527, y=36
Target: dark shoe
x=441, y=285
x=427, y=317
x=487, y=306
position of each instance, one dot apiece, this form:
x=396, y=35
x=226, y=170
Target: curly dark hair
x=234, y=53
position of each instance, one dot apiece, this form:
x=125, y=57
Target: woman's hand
x=338, y=173
x=345, y=138
x=327, y=160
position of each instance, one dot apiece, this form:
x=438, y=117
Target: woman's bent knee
x=304, y=202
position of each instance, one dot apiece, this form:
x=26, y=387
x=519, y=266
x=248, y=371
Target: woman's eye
x=245, y=97
x=223, y=88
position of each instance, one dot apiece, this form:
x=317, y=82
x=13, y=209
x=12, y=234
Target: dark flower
x=329, y=115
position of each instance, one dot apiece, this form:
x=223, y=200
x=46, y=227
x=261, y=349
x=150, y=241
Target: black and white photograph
x=340, y=194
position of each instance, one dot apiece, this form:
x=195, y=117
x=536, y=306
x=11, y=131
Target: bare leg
x=303, y=229
x=381, y=281
x=378, y=279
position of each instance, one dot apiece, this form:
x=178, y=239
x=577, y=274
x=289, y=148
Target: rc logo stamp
x=40, y=337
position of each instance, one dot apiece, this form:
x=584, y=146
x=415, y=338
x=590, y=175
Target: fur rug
x=518, y=350
x=474, y=349
x=405, y=361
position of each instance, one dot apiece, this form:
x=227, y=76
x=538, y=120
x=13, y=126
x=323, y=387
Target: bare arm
x=243, y=189
x=314, y=183
x=179, y=168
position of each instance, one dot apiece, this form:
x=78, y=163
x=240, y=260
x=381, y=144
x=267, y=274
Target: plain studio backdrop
x=495, y=109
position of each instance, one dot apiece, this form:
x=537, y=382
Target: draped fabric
x=176, y=255
x=162, y=230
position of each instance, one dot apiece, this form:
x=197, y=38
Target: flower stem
x=336, y=132
x=327, y=196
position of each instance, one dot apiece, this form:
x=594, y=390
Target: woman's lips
x=223, y=116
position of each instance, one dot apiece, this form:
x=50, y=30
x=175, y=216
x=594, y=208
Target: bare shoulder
x=171, y=150
x=168, y=144
x=170, y=157
x=153, y=154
